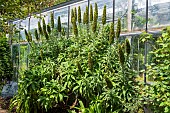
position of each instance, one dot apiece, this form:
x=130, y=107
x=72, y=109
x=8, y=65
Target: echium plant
x=36, y=35
x=84, y=18
x=91, y=13
x=59, y=24
x=90, y=61
x=75, y=30
x=121, y=55
x=96, y=10
x=72, y=15
x=40, y=28
x=48, y=29
x=52, y=20
x=94, y=25
x=104, y=15
x=75, y=14
x=44, y=26
x=127, y=47
x=118, y=30
x=79, y=15
x=112, y=33
x=87, y=15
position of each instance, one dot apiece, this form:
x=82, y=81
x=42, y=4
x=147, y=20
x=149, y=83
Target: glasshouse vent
x=85, y=56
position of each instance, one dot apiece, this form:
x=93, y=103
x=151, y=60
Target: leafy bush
x=157, y=95
x=84, y=73
x=6, y=70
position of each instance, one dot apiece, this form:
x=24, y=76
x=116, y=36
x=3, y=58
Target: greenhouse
x=85, y=56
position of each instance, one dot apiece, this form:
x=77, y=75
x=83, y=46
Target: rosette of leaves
x=112, y=33
x=72, y=15
x=104, y=15
x=40, y=28
x=79, y=15
x=52, y=20
x=96, y=10
x=118, y=30
x=91, y=13
x=121, y=55
x=90, y=61
x=59, y=24
x=44, y=25
x=75, y=14
x=36, y=35
x=127, y=46
x=48, y=29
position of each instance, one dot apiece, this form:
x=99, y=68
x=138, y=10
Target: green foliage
x=59, y=24
x=104, y=15
x=81, y=73
x=63, y=32
x=79, y=15
x=52, y=20
x=6, y=71
x=91, y=13
x=112, y=33
x=157, y=95
x=75, y=14
x=118, y=30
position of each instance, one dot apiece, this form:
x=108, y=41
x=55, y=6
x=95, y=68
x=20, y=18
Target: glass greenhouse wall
x=133, y=14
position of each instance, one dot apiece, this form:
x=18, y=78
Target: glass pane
x=23, y=57
x=121, y=11
x=15, y=37
x=138, y=15
x=24, y=25
x=15, y=58
x=159, y=13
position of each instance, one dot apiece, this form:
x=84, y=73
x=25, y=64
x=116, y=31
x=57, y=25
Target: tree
x=104, y=15
x=6, y=70
x=91, y=13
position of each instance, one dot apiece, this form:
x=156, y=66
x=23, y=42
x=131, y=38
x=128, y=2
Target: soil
x=4, y=105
